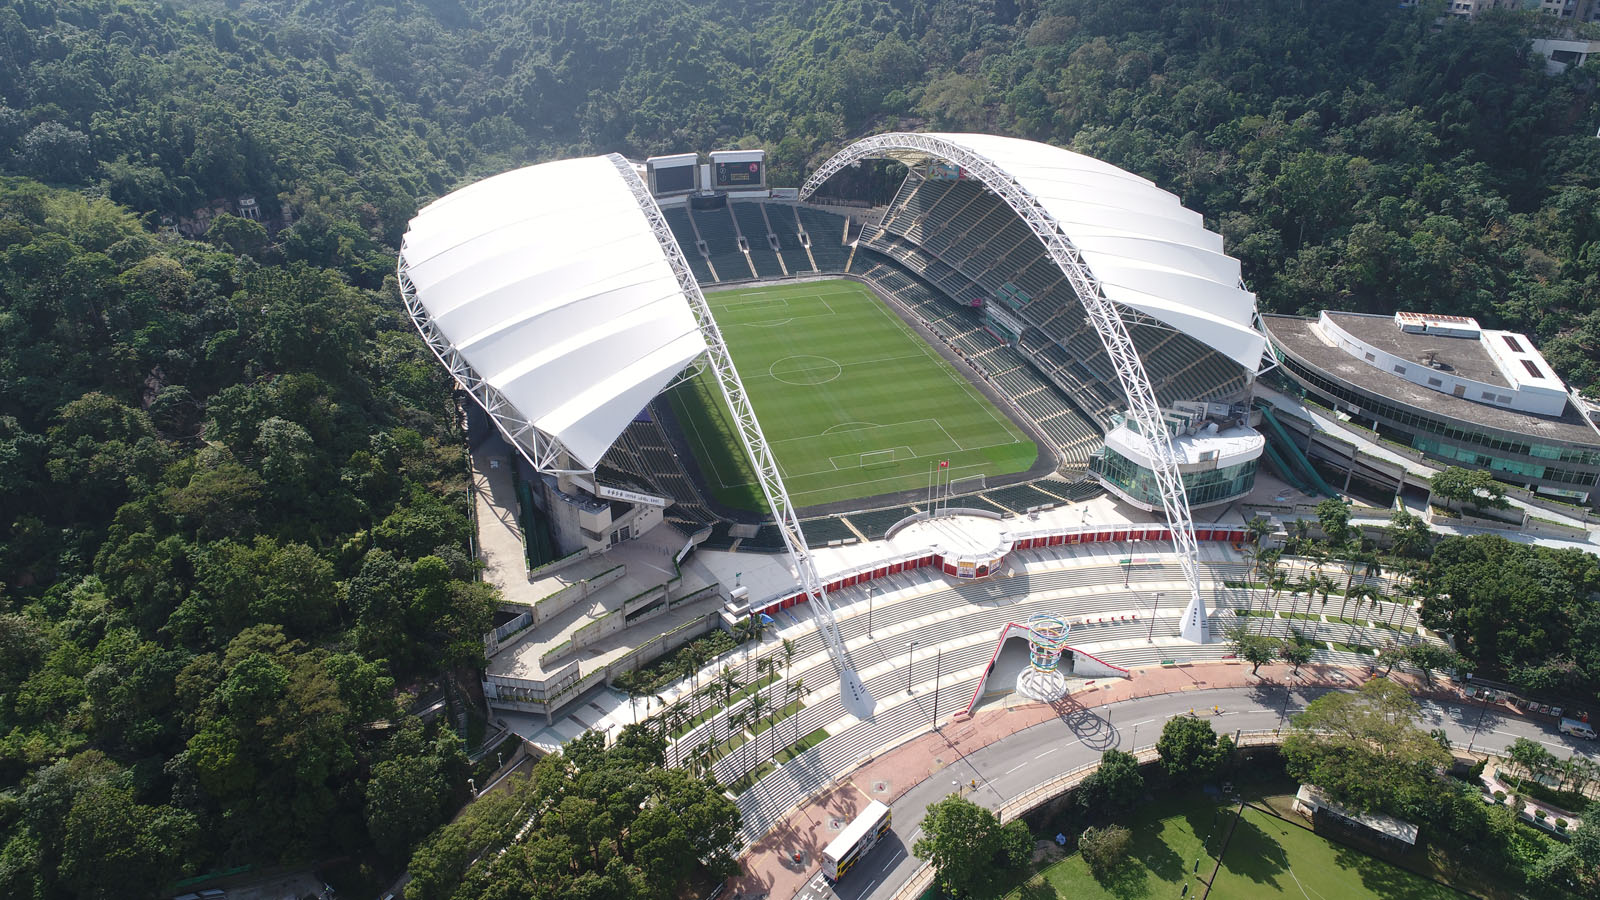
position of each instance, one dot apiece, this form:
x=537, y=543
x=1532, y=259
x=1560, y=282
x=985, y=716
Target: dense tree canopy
x=231, y=527
x=1364, y=748
x=232, y=511
x=1354, y=155
x=596, y=822
x=968, y=847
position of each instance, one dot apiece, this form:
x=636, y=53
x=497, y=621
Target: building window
x=1533, y=368
x=1512, y=343
x=1371, y=358
x=1434, y=382
x=1489, y=396
x=1399, y=370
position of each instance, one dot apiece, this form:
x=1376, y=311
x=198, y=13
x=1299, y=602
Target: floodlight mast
x=1102, y=312
x=853, y=693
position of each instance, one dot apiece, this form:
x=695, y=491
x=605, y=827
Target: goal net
x=876, y=458
x=970, y=484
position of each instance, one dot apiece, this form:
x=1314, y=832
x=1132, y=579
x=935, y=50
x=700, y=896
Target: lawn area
x=1166, y=841
x=1268, y=857
x=1265, y=858
x=853, y=402
x=804, y=744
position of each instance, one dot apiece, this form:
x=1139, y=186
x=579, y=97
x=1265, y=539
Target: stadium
x=965, y=419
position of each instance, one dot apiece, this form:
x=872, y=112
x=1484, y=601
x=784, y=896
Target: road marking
x=1047, y=753
x=1016, y=767
x=867, y=891
x=887, y=865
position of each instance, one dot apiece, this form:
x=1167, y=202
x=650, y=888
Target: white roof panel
x=552, y=286
x=1148, y=252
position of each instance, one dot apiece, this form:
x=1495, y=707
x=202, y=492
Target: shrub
x=1561, y=824
x=1104, y=848
x=1539, y=813
x=1499, y=796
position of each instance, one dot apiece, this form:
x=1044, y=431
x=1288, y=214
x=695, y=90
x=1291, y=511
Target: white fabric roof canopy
x=550, y=283
x=1148, y=252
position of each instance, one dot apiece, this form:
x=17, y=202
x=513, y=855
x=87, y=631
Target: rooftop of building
x=1463, y=356
x=1467, y=358
x=1225, y=443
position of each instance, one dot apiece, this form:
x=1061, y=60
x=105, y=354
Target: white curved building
x=550, y=295
x=1122, y=281
x=1148, y=253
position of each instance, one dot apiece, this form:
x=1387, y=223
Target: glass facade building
x=1204, y=488
x=1563, y=468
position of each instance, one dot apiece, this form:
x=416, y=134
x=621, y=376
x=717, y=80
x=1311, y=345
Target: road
x=1028, y=758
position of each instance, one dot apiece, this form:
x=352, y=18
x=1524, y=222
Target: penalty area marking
x=843, y=426
x=858, y=464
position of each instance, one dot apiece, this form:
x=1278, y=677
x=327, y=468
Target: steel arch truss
x=853, y=692
x=913, y=149
x=544, y=451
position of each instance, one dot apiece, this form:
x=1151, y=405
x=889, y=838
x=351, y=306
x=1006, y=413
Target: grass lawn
x=1166, y=841
x=804, y=744
x=1268, y=857
x=853, y=403
x=1265, y=858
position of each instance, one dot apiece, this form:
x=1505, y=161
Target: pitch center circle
x=805, y=370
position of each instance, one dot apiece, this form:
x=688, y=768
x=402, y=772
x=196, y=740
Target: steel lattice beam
x=852, y=691
x=1107, y=319
x=543, y=451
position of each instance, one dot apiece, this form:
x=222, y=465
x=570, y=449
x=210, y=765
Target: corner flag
x=944, y=463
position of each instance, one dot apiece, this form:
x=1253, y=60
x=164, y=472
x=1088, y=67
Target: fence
x=1018, y=540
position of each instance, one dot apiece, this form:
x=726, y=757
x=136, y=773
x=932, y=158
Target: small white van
x=1577, y=729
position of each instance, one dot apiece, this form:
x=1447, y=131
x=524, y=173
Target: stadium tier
x=966, y=230
x=716, y=228
x=752, y=226
x=1075, y=437
x=952, y=258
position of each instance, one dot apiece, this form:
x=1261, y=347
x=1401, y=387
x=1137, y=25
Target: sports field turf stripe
x=840, y=385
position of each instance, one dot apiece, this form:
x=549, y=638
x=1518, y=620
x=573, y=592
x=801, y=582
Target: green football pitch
x=852, y=401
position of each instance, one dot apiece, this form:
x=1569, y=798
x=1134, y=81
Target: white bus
x=857, y=838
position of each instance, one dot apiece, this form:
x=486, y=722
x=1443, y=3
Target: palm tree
x=1307, y=586
x=727, y=683
x=798, y=690
x=1300, y=534
x=1375, y=607
x=752, y=714
x=1278, y=584
x=709, y=694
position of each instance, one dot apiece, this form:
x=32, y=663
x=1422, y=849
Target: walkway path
x=1001, y=753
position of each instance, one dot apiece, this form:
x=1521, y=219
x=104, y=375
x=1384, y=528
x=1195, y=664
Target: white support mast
x=1102, y=312
x=853, y=692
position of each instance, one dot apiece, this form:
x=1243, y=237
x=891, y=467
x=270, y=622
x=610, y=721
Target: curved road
x=1013, y=765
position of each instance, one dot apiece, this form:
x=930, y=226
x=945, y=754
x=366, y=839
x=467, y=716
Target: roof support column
x=853, y=692
x=1102, y=312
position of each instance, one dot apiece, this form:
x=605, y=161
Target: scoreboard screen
x=738, y=174
x=672, y=179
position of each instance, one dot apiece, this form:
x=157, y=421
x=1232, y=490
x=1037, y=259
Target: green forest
x=234, y=528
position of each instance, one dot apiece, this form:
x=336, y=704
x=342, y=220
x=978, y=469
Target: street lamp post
x=909, y=648
x=1483, y=707
x=938, y=667
x=869, y=610
x=1149, y=635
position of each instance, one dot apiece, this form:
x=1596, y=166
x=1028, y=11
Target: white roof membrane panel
x=550, y=283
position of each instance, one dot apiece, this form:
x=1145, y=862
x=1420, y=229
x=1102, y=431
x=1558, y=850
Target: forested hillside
x=233, y=527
